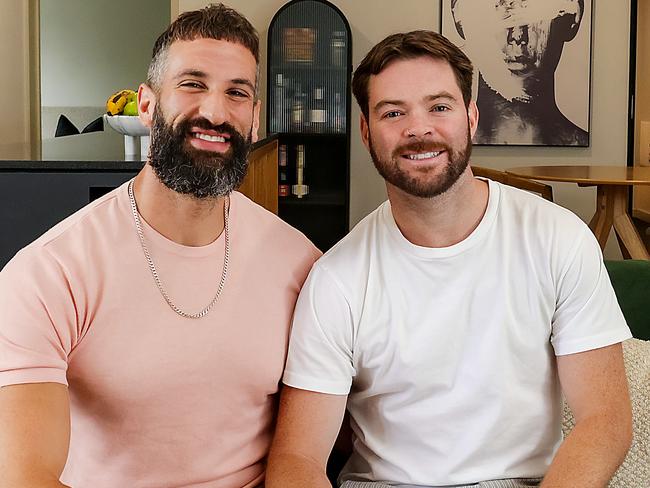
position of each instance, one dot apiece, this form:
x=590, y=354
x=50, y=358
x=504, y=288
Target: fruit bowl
x=132, y=129
x=127, y=125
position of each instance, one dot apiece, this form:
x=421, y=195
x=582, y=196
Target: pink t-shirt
x=157, y=400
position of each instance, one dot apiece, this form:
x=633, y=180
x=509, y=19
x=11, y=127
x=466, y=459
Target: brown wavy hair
x=411, y=45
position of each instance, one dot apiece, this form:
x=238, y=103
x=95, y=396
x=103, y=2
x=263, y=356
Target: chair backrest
x=545, y=191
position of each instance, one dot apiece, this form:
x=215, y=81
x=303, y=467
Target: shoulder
x=532, y=210
x=97, y=221
x=349, y=260
x=254, y=222
x=554, y=239
x=252, y=217
x=44, y=270
x=548, y=235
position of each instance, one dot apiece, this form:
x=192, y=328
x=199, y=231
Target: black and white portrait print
x=531, y=68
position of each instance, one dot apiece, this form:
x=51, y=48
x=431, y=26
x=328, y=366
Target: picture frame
x=532, y=84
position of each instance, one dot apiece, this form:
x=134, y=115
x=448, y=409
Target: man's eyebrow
x=382, y=103
x=243, y=81
x=196, y=73
x=444, y=95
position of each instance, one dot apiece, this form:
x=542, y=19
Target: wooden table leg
x=624, y=252
x=628, y=236
x=603, y=220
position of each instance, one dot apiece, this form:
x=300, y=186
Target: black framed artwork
x=532, y=68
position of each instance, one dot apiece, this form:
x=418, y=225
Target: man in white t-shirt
x=451, y=320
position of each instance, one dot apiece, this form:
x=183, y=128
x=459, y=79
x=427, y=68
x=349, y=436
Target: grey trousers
x=513, y=483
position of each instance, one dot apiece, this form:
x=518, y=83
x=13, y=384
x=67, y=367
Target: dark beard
x=391, y=172
x=190, y=171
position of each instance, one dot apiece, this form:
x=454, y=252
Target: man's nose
x=419, y=126
x=518, y=35
x=214, y=109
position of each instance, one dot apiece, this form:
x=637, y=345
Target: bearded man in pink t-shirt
x=143, y=338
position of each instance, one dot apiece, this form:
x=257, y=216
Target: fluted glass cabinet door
x=308, y=105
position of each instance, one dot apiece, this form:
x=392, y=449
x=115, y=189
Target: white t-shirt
x=448, y=354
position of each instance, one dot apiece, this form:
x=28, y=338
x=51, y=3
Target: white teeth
x=206, y=137
x=426, y=155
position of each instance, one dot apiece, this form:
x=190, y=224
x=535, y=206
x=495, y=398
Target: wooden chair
x=545, y=191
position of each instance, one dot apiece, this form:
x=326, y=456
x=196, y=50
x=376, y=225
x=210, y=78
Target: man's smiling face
x=203, y=117
x=418, y=130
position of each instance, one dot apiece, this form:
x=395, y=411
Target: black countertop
x=97, y=151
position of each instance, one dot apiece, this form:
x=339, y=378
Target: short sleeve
x=37, y=320
x=320, y=354
x=587, y=314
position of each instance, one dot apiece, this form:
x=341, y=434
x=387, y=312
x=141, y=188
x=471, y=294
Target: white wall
x=14, y=74
x=372, y=20
x=91, y=49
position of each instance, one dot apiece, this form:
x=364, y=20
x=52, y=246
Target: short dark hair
x=215, y=21
x=411, y=45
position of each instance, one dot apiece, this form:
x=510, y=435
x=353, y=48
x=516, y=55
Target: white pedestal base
x=131, y=144
x=144, y=147
x=135, y=146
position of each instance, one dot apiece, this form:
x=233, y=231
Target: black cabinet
x=308, y=105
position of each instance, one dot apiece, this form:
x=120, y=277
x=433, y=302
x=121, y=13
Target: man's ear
x=365, y=131
x=472, y=117
x=256, y=121
x=146, y=104
x=458, y=21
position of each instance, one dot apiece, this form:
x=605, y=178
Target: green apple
x=131, y=108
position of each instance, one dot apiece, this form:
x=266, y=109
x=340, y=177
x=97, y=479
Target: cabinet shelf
x=325, y=199
x=302, y=136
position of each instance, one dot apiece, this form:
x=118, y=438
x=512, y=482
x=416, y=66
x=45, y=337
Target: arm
x=595, y=386
x=308, y=424
x=34, y=434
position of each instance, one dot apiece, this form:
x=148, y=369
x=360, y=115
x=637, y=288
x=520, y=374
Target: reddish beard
x=458, y=160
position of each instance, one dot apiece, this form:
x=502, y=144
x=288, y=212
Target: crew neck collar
x=475, y=237
x=156, y=239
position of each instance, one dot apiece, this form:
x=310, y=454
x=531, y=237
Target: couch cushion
x=631, y=281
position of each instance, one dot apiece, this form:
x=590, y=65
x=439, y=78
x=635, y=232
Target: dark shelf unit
x=309, y=72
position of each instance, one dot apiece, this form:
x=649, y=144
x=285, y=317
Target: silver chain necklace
x=154, y=272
